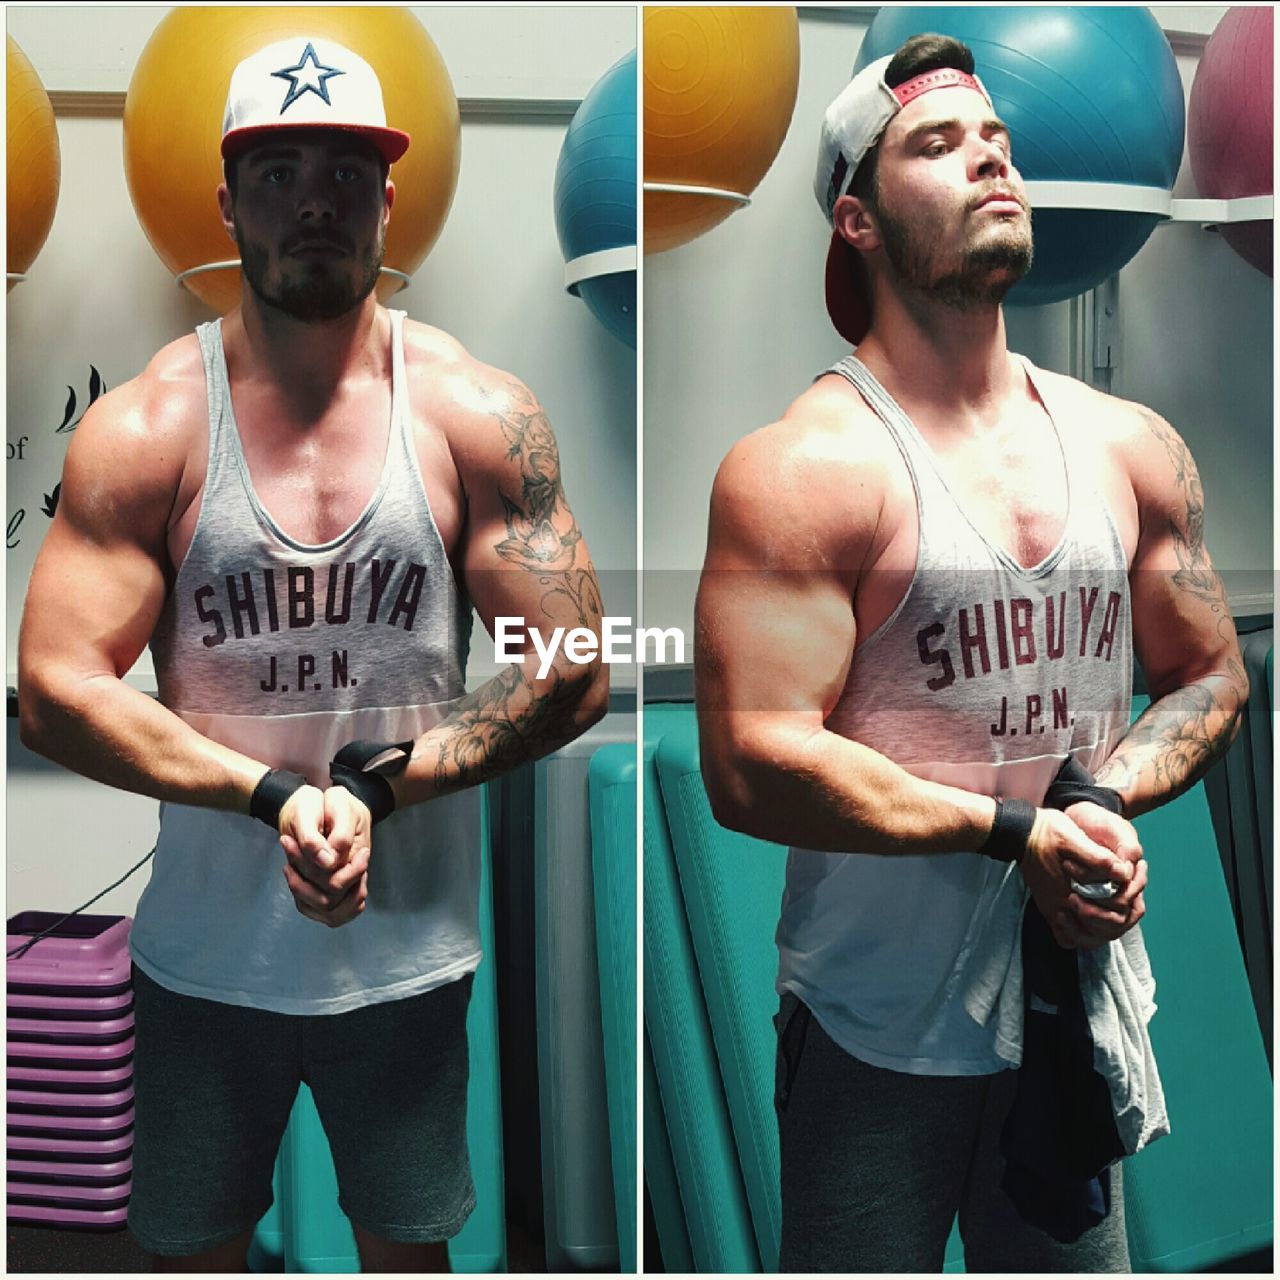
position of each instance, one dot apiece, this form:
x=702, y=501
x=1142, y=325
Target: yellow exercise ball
x=173, y=126
x=34, y=163
x=719, y=89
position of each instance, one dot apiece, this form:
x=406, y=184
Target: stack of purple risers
x=70, y=1073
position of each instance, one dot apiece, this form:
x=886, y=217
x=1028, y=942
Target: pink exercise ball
x=1229, y=126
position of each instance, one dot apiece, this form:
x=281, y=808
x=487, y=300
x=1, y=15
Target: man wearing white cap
x=297, y=509
x=923, y=591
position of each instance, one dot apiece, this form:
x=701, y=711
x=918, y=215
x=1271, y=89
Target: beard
x=317, y=292
x=983, y=275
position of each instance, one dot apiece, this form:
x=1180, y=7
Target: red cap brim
x=848, y=295
x=391, y=143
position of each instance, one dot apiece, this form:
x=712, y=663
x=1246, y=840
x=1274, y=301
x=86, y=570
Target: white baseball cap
x=852, y=125
x=307, y=83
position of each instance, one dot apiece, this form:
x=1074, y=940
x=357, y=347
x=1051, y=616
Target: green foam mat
x=611, y=784
x=712, y=1194
x=579, y=1215
x=1202, y=1195
x=660, y=1178
x=732, y=890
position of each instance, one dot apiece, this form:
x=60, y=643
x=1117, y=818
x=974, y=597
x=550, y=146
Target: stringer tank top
x=984, y=677
x=285, y=652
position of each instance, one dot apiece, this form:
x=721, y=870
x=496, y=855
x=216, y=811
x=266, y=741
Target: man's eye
x=346, y=173
x=276, y=175
x=936, y=148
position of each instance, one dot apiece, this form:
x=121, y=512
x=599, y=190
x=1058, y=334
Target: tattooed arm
x=1183, y=632
x=524, y=556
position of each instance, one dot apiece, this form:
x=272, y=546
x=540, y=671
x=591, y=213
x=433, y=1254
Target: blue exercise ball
x=1091, y=96
x=595, y=200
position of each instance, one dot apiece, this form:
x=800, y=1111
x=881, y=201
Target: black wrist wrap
x=1010, y=831
x=1075, y=783
x=273, y=789
x=364, y=767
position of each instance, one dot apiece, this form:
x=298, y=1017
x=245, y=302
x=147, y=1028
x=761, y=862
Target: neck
x=956, y=359
x=304, y=357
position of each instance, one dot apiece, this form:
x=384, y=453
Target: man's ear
x=224, y=210
x=857, y=223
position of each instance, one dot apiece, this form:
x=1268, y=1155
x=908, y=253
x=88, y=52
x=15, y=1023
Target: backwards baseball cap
x=853, y=124
x=307, y=83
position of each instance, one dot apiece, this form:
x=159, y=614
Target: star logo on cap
x=307, y=79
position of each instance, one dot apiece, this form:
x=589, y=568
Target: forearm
x=512, y=719
x=823, y=791
x=100, y=727
x=1175, y=741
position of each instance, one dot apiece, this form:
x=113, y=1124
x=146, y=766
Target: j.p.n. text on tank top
x=985, y=676
x=285, y=652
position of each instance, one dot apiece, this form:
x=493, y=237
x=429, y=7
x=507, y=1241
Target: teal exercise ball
x=595, y=200
x=1091, y=96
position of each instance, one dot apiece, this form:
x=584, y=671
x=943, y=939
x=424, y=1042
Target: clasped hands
x=327, y=838
x=1088, y=844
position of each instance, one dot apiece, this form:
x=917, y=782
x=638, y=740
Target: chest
x=1012, y=486
x=315, y=479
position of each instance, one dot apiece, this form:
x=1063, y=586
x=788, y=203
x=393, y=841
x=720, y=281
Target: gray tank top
x=285, y=652
x=984, y=677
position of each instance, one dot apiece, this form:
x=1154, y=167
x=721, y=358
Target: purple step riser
x=54, y=1081
x=23, y=1102
x=68, y=1219
x=72, y=1152
x=78, y=1127
x=72, y=1057
x=99, y=1174
x=48, y=1031
x=70, y=1008
x=72, y=1197
x=111, y=984
x=83, y=939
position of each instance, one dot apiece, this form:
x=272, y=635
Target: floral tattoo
x=1177, y=739
x=512, y=718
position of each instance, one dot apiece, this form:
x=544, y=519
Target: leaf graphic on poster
x=96, y=387
x=70, y=410
x=51, y=500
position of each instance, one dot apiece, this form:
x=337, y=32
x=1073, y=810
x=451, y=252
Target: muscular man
x=920, y=593
x=297, y=508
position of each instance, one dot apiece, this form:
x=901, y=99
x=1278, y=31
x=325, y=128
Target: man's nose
x=989, y=160
x=316, y=199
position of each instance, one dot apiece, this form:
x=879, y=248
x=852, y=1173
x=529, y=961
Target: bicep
x=98, y=583
x=774, y=620
x=771, y=645
x=525, y=554
x=1182, y=624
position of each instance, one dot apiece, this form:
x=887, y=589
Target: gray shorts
x=876, y=1165
x=214, y=1084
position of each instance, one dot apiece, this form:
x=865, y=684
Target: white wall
x=735, y=327
x=97, y=295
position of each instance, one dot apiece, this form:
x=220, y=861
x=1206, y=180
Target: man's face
x=952, y=212
x=310, y=219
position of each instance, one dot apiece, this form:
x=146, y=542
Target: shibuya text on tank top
x=985, y=677
x=285, y=652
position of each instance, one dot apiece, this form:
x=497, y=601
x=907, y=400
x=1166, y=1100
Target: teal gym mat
x=731, y=886
x=712, y=1194
x=266, y=1249
x=579, y=1214
x=611, y=785
x=315, y=1234
x=1202, y=1195
x=660, y=1179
